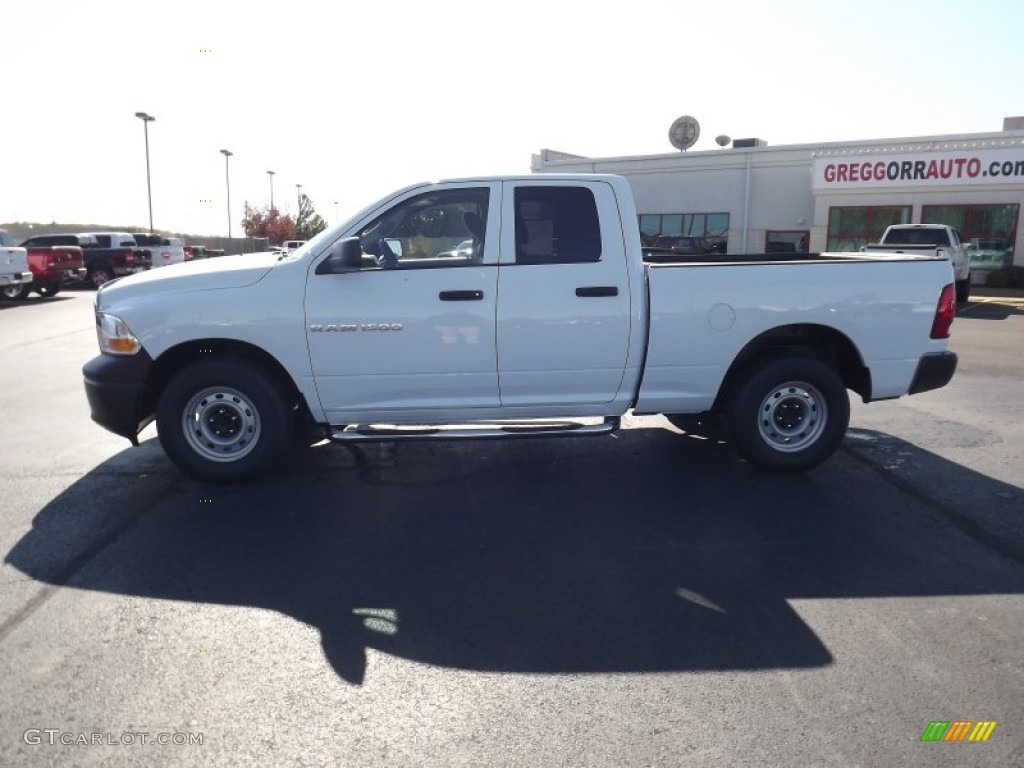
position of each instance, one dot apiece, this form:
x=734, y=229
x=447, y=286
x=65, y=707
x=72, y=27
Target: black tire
x=789, y=415
x=225, y=420
x=963, y=290
x=14, y=292
x=99, y=275
x=48, y=289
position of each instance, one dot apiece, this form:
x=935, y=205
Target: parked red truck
x=52, y=267
x=106, y=255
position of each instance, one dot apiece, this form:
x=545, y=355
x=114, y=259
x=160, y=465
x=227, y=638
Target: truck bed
x=703, y=315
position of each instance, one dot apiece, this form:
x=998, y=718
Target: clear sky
x=354, y=100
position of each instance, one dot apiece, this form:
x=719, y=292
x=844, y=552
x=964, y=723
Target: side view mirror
x=346, y=256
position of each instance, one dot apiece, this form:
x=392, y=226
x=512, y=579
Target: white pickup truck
x=939, y=239
x=15, y=274
x=551, y=324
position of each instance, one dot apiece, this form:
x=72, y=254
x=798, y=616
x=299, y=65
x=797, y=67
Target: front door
x=411, y=336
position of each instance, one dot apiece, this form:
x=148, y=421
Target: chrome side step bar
x=378, y=433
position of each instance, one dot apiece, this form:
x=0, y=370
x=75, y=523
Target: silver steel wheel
x=221, y=424
x=792, y=416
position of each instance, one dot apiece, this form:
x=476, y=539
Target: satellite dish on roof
x=722, y=141
x=684, y=132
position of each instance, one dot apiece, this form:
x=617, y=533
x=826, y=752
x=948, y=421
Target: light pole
x=335, y=211
x=146, y=120
x=298, y=196
x=227, y=177
x=271, y=175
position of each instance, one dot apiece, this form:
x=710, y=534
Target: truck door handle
x=598, y=290
x=461, y=295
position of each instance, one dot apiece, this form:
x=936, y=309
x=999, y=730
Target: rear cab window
x=556, y=225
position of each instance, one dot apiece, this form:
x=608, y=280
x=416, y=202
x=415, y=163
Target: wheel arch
x=820, y=342
x=182, y=355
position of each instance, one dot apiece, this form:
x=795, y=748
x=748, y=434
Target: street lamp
x=227, y=176
x=271, y=175
x=299, y=196
x=146, y=120
x=335, y=211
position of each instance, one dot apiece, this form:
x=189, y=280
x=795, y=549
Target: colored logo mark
x=958, y=730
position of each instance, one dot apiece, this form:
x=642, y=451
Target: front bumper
x=934, y=370
x=115, y=386
x=16, y=278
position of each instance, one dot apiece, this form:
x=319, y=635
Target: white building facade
x=828, y=197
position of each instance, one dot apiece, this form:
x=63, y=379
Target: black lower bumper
x=115, y=387
x=933, y=371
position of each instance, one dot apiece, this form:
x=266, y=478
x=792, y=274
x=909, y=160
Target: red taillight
x=129, y=257
x=944, y=313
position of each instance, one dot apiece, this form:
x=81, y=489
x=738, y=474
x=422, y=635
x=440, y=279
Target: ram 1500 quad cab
x=551, y=324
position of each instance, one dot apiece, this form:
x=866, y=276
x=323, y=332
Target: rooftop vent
x=749, y=143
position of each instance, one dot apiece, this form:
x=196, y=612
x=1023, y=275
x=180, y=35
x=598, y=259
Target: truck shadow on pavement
x=990, y=309
x=644, y=552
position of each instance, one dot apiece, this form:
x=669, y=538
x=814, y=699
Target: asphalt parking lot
x=641, y=599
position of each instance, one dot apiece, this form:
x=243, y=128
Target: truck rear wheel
x=224, y=420
x=14, y=292
x=48, y=289
x=100, y=274
x=789, y=415
x=963, y=290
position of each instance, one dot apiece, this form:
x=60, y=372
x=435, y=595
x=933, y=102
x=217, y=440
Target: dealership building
x=752, y=197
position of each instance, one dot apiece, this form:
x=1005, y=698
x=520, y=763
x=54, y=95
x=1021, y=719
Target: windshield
x=5, y=239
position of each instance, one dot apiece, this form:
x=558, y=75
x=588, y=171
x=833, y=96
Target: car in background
x=106, y=254
x=464, y=249
x=291, y=245
x=52, y=267
x=990, y=252
x=15, y=275
x=163, y=250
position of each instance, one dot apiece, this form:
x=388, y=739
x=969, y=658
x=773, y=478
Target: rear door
x=564, y=311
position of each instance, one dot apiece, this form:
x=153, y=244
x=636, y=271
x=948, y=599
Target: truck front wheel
x=224, y=420
x=789, y=415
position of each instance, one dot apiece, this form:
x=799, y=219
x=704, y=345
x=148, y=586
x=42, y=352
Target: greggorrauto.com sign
x=921, y=169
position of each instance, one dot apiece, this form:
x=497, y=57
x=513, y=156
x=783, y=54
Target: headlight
x=114, y=335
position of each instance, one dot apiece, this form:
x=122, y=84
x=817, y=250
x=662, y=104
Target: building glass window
x=712, y=228
x=786, y=241
x=989, y=230
x=853, y=227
